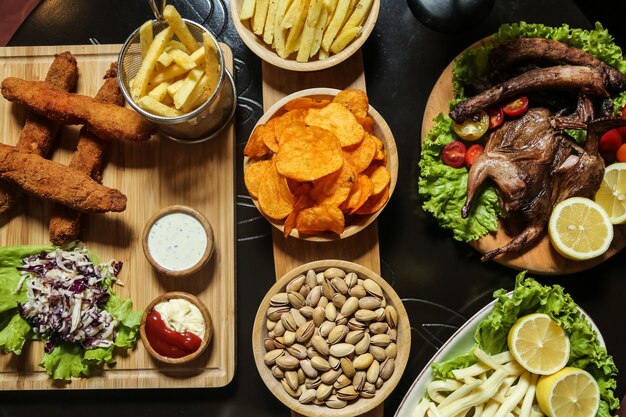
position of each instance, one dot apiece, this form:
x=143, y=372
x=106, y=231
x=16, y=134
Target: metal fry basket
x=201, y=124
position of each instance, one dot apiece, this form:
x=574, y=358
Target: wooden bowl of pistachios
x=331, y=338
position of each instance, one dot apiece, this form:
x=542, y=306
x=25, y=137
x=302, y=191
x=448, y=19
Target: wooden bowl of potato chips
x=321, y=164
x=337, y=29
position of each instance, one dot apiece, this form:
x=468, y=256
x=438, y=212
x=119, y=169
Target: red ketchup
x=168, y=342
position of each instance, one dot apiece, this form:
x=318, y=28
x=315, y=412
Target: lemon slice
x=612, y=193
x=571, y=392
x=580, y=229
x=539, y=344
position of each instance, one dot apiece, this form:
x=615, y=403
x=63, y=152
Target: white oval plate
x=460, y=342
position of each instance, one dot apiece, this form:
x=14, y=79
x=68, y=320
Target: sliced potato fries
x=176, y=75
x=309, y=27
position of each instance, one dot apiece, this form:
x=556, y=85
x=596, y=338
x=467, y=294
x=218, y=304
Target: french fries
x=309, y=27
x=176, y=75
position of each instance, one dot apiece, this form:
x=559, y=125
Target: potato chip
x=360, y=156
x=379, y=176
x=307, y=152
x=282, y=122
x=337, y=119
x=256, y=147
x=374, y=203
x=354, y=100
x=268, y=135
x=367, y=123
x=306, y=103
x=380, y=149
x=275, y=199
x=358, y=195
x=321, y=219
x=333, y=189
x=254, y=175
x=304, y=201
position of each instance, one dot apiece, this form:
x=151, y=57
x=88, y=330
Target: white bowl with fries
x=172, y=72
x=348, y=25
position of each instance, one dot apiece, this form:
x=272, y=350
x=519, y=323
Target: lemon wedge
x=539, y=344
x=580, y=229
x=612, y=193
x=571, y=392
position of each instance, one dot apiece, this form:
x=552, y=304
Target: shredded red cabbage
x=66, y=296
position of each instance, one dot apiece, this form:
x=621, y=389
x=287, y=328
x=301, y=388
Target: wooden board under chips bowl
x=267, y=54
x=356, y=407
x=381, y=130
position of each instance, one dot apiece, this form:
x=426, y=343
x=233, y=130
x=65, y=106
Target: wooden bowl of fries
x=348, y=25
x=354, y=220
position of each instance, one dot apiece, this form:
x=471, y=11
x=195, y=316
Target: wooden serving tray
x=541, y=258
x=153, y=175
x=361, y=248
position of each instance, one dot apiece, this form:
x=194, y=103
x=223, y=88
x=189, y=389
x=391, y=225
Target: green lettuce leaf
x=14, y=332
x=65, y=361
x=529, y=297
x=11, y=258
x=129, y=320
x=443, y=189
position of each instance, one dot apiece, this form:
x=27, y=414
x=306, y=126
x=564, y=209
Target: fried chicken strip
x=57, y=182
x=88, y=158
x=105, y=120
x=38, y=133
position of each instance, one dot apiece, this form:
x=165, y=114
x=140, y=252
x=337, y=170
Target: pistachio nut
x=331, y=273
x=320, y=364
x=323, y=391
x=295, y=284
x=270, y=357
x=341, y=350
x=308, y=369
x=363, y=361
x=287, y=362
x=347, y=393
x=391, y=316
x=387, y=368
x=307, y=396
x=373, y=288
x=350, y=306
x=347, y=367
x=320, y=345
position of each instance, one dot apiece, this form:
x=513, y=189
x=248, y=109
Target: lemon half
x=571, y=392
x=539, y=344
x=580, y=229
x=612, y=193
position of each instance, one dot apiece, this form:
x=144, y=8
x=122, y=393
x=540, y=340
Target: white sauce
x=177, y=241
x=182, y=316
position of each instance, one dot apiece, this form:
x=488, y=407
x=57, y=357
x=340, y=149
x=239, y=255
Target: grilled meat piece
x=535, y=166
x=565, y=77
x=547, y=52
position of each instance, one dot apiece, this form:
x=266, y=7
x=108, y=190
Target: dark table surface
x=442, y=281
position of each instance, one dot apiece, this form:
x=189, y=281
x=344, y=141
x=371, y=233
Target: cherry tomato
x=472, y=153
x=610, y=142
x=496, y=117
x=516, y=107
x=453, y=154
x=621, y=153
x=472, y=128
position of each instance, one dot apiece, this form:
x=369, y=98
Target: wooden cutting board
x=153, y=175
x=361, y=248
x=541, y=258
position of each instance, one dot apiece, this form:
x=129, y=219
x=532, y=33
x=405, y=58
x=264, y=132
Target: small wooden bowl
x=207, y=253
x=208, y=332
x=269, y=55
x=381, y=130
x=355, y=407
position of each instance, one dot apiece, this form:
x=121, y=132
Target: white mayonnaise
x=177, y=241
x=182, y=316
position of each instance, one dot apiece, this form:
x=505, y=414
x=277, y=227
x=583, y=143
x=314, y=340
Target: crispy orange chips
x=317, y=166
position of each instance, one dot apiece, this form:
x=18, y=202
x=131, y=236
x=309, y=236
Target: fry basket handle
x=158, y=11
